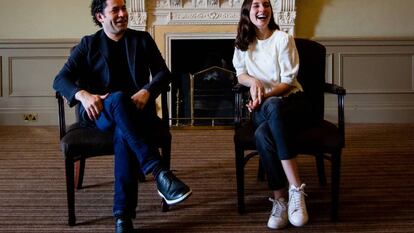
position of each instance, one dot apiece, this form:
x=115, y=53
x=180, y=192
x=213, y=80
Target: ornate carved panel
x=147, y=13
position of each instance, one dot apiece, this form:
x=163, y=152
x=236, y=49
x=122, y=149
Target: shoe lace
x=297, y=196
x=278, y=207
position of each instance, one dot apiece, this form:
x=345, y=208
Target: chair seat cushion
x=86, y=141
x=324, y=137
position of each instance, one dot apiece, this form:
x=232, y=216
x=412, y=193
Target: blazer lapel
x=104, y=50
x=131, y=47
x=104, y=46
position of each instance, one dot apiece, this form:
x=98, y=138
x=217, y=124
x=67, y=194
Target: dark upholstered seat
x=324, y=139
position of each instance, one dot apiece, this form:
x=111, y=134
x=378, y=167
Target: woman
x=266, y=60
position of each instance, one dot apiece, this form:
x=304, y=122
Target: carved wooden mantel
x=144, y=14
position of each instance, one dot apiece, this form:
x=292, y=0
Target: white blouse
x=272, y=61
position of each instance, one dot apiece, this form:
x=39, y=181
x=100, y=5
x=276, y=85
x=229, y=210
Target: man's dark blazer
x=87, y=67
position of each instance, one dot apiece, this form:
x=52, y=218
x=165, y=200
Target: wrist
x=80, y=95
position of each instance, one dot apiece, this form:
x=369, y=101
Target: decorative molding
x=368, y=90
x=203, y=17
x=390, y=105
x=1, y=76
x=146, y=14
x=138, y=15
x=138, y=20
x=329, y=72
x=34, y=75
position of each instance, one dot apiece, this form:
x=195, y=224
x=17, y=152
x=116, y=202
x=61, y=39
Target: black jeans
x=277, y=120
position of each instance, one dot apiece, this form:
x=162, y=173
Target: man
x=108, y=73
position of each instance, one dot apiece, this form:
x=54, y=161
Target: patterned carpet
x=376, y=186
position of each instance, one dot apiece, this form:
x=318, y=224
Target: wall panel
x=29, y=76
x=377, y=73
x=28, y=70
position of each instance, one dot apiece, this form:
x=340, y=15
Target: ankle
x=299, y=186
x=280, y=194
x=157, y=170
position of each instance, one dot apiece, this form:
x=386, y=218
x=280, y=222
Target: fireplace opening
x=203, y=76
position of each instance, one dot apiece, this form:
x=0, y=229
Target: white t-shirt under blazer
x=272, y=61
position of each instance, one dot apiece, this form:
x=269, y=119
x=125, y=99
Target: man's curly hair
x=97, y=6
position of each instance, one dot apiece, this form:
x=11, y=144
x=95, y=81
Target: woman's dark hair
x=246, y=31
x=97, y=6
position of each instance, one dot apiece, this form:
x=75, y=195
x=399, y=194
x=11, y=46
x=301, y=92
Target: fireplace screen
x=203, y=77
x=212, y=99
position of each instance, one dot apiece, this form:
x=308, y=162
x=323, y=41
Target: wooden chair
x=323, y=140
x=79, y=142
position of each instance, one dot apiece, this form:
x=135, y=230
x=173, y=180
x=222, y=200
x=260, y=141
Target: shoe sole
x=178, y=200
x=299, y=224
x=282, y=226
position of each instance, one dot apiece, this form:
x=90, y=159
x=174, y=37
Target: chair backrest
x=312, y=56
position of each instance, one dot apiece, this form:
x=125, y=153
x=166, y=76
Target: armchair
x=79, y=142
x=323, y=140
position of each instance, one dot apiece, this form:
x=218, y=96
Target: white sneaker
x=298, y=216
x=278, y=218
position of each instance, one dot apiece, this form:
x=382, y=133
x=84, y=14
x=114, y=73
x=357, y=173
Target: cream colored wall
x=63, y=19
x=355, y=18
x=45, y=19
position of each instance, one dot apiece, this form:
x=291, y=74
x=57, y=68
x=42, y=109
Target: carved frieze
x=163, y=12
x=206, y=17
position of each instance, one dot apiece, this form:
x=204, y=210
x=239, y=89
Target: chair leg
x=166, y=157
x=240, y=180
x=320, y=165
x=164, y=206
x=261, y=172
x=141, y=177
x=336, y=172
x=79, y=173
x=70, y=191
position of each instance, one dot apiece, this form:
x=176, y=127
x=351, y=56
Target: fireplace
x=203, y=77
x=207, y=24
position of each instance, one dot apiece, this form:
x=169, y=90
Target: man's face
x=114, y=18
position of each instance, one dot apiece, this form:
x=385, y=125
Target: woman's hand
x=256, y=93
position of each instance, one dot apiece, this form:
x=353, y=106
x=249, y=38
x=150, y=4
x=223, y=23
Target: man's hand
x=92, y=103
x=140, y=98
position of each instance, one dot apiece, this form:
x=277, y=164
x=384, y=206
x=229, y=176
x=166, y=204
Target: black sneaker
x=172, y=189
x=124, y=225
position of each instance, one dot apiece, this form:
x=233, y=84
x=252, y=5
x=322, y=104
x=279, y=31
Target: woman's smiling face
x=260, y=13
